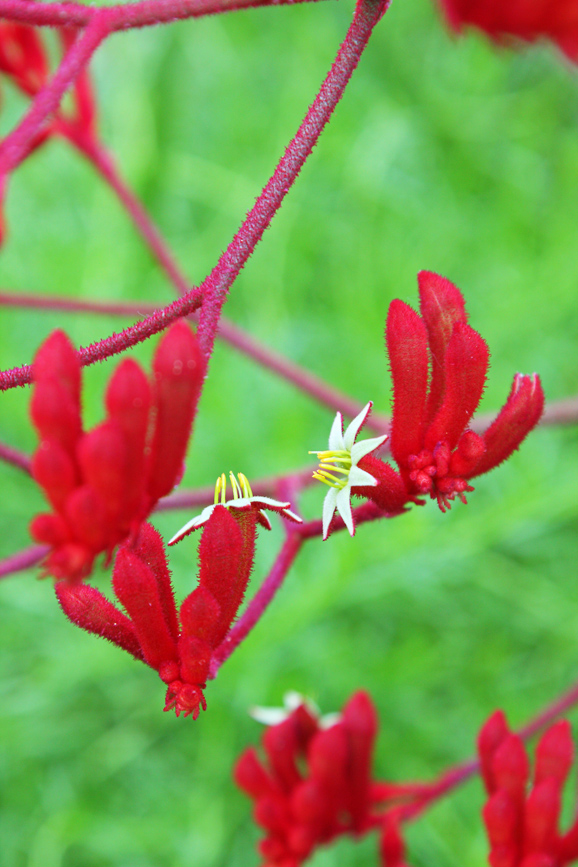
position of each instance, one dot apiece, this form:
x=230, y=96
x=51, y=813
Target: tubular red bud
x=554, y=754
x=136, y=588
x=494, y=731
x=90, y=610
x=406, y=339
x=179, y=371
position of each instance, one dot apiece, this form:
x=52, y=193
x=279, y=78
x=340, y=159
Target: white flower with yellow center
x=338, y=467
x=243, y=500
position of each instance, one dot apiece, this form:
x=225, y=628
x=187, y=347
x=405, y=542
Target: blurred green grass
x=443, y=154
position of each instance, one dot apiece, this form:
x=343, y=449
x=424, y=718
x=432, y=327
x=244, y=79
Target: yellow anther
x=220, y=490
x=235, y=486
x=245, y=486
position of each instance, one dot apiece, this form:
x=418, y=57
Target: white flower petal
x=268, y=503
x=287, y=513
x=354, y=427
x=328, y=509
x=358, y=478
x=269, y=716
x=336, y=434
x=343, y=506
x=198, y=521
x=360, y=450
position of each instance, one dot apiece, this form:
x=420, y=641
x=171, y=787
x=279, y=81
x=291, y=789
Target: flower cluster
x=438, y=366
x=316, y=782
x=103, y=483
x=179, y=646
x=522, y=826
x=529, y=20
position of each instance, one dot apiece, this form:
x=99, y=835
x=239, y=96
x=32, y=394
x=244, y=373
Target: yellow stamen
x=239, y=483
x=331, y=462
x=245, y=486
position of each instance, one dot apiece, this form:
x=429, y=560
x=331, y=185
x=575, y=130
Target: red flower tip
x=439, y=366
x=102, y=484
x=521, y=826
x=526, y=20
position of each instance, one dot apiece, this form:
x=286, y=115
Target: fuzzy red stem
x=16, y=458
x=259, y=603
x=126, y=16
x=217, y=284
x=232, y=334
x=22, y=560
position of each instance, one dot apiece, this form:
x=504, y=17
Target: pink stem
x=259, y=602
x=15, y=457
x=557, y=412
x=125, y=16
x=300, y=377
x=450, y=779
x=22, y=560
x=15, y=145
x=138, y=332
x=217, y=284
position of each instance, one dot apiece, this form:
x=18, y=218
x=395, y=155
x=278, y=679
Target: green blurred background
x=446, y=155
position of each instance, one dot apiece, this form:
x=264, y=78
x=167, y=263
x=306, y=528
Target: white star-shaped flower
x=338, y=467
x=243, y=500
x=272, y=716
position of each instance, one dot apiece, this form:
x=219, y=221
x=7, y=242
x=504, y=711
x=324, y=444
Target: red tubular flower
x=102, y=484
x=178, y=646
x=315, y=783
x=522, y=825
x=528, y=20
x=438, y=366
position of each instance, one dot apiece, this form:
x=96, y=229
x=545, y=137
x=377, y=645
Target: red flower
x=102, y=484
x=316, y=782
x=178, y=646
x=522, y=824
x=528, y=20
x=439, y=366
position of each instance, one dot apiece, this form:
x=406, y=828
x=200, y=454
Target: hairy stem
x=218, y=283
x=125, y=16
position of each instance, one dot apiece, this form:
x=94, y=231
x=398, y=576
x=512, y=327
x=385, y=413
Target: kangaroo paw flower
x=178, y=645
x=439, y=366
x=339, y=468
x=103, y=483
x=242, y=501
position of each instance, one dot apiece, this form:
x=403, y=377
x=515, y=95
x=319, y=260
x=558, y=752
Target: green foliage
x=443, y=155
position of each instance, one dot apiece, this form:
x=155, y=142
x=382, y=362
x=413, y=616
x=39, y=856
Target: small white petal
x=328, y=509
x=198, y=521
x=269, y=716
x=336, y=434
x=343, y=506
x=268, y=503
x=353, y=429
x=360, y=450
x=358, y=478
x=287, y=513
